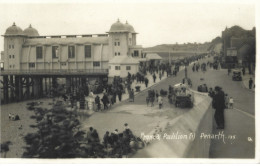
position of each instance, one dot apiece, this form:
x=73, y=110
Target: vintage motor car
x=202, y=88
x=183, y=97
x=236, y=75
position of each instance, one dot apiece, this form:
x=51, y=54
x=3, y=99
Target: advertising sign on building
x=231, y=52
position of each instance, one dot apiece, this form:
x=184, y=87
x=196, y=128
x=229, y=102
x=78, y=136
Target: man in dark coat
x=106, y=139
x=250, y=83
x=243, y=70
x=105, y=101
x=97, y=102
x=219, y=105
x=119, y=93
x=146, y=81
x=154, y=77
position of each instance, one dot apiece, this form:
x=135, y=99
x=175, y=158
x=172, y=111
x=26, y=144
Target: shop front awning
x=153, y=56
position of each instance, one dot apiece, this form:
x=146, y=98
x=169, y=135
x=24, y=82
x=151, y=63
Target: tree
x=5, y=147
x=58, y=135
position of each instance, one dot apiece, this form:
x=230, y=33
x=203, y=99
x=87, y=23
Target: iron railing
x=56, y=72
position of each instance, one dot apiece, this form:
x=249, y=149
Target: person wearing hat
x=126, y=126
x=250, y=82
x=219, y=105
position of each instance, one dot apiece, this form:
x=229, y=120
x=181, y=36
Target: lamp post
x=186, y=71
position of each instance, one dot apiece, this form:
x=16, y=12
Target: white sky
x=157, y=23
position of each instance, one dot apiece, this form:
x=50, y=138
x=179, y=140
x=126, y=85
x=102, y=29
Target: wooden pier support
x=27, y=82
x=5, y=89
x=12, y=88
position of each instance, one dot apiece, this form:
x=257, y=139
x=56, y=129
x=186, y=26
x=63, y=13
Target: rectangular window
x=88, y=51
x=55, y=51
x=117, y=67
x=71, y=50
x=38, y=52
x=118, y=53
x=31, y=65
x=13, y=46
x=10, y=66
x=118, y=43
x=115, y=54
x=128, y=67
x=10, y=47
x=10, y=56
x=96, y=64
x=13, y=56
x=115, y=43
x=136, y=53
x=13, y=66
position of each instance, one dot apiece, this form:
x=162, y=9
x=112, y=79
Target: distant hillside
x=189, y=47
x=196, y=48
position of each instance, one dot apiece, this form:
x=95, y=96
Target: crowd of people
x=115, y=143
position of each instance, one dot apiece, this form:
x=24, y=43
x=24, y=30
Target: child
x=147, y=100
x=231, y=102
x=160, y=101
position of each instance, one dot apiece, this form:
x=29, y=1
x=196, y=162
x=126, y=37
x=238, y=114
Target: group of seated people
x=115, y=143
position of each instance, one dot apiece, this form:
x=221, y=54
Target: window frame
x=95, y=64
x=90, y=51
x=128, y=67
x=63, y=63
x=73, y=51
x=117, y=67
x=54, y=51
x=31, y=65
x=37, y=55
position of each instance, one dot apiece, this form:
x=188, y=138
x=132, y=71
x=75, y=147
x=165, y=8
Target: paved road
x=240, y=122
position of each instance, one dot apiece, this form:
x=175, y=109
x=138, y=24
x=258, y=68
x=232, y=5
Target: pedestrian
x=231, y=102
x=243, y=70
x=147, y=100
x=114, y=137
x=160, y=76
x=219, y=105
x=154, y=77
x=106, y=139
x=97, y=102
x=160, y=101
x=146, y=82
x=105, y=101
x=156, y=95
x=152, y=96
x=133, y=95
x=226, y=101
x=89, y=134
x=126, y=126
x=114, y=95
x=95, y=137
x=229, y=71
x=119, y=93
x=250, y=83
